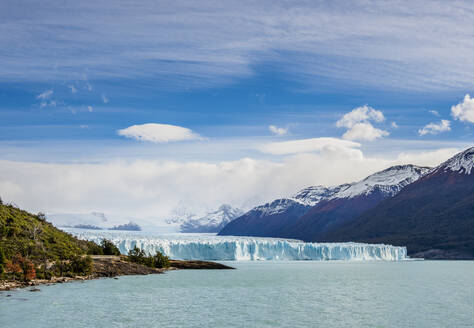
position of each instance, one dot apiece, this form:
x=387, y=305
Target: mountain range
x=429, y=210
x=433, y=217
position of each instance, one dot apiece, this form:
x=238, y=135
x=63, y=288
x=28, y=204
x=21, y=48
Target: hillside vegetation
x=31, y=236
x=31, y=247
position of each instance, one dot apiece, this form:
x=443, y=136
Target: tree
x=13, y=268
x=108, y=248
x=81, y=266
x=3, y=261
x=157, y=261
x=136, y=255
x=35, y=231
x=21, y=266
x=28, y=269
x=160, y=260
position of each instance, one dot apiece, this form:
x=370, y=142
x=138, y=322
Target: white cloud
x=90, y=109
x=159, y=133
x=364, y=131
x=152, y=189
x=360, y=114
x=105, y=99
x=45, y=95
x=278, y=131
x=435, y=128
x=464, y=111
x=394, y=125
x=426, y=158
x=311, y=145
x=358, y=124
x=434, y=112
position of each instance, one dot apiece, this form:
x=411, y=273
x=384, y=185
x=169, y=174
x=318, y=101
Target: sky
x=143, y=110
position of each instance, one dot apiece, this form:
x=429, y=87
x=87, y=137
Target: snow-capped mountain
x=461, y=163
x=312, y=195
x=305, y=198
x=433, y=217
x=389, y=181
x=213, y=221
x=283, y=217
x=180, y=215
x=270, y=219
x=350, y=202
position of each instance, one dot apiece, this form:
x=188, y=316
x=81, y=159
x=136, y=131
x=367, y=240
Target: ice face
x=223, y=248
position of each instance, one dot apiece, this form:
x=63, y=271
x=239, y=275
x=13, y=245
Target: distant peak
x=404, y=167
x=461, y=162
x=225, y=208
x=310, y=196
x=391, y=180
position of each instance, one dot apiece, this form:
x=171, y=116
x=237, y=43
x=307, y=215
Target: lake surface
x=259, y=294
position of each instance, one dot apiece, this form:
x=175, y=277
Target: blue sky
x=211, y=78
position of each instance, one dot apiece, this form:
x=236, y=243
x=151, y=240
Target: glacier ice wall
x=224, y=248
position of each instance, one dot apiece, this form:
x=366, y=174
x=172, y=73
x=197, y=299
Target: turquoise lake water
x=259, y=294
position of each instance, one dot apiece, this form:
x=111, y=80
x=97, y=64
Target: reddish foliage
x=22, y=265
x=13, y=267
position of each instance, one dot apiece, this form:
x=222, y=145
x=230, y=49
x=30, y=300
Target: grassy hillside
x=31, y=236
x=31, y=247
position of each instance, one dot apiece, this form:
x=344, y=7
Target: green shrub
x=136, y=255
x=81, y=265
x=108, y=248
x=159, y=260
x=95, y=250
x=3, y=262
x=43, y=273
x=76, y=266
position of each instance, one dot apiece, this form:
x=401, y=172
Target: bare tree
x=35, y=231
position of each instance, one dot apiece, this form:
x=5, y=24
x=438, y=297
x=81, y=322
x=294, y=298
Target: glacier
x=226, y=248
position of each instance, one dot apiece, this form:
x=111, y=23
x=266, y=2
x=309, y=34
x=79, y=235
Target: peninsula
x=34, y=252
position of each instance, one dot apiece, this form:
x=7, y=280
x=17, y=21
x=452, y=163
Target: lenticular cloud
x=158, y=133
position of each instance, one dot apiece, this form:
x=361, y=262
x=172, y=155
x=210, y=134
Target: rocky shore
x=108, y=266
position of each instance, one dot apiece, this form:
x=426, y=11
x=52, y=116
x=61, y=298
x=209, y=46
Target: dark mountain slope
x=266, y=220
x=348, y=204
x=274, y=218
x=330, y=214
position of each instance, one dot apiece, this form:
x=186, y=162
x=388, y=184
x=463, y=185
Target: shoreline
x=109, y=266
